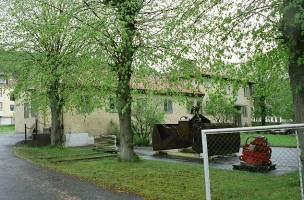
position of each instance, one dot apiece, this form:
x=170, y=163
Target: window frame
x=168, y=106
x=245, y=111
x=12, y=106
x=26, y=110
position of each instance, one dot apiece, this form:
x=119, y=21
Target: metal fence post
x=25, y=134
x=300, y=164
x=206, y=166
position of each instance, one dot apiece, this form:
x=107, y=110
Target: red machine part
x=257, y=152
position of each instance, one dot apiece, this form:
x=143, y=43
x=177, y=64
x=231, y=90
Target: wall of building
x=20, y=120
x=100, y=121
x=245, y=102
x=7, y=107
x=96, y=123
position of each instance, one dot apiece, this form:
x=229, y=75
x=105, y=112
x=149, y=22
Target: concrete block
x=78, y=139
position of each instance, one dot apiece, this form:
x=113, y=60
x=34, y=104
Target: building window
x=12, y=107
x=26, y=111
x=112, y=105
x=168, y=106
x=246, y=91
x=244, y=111
x=1, y=106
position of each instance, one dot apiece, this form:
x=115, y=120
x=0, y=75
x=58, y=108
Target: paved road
x=286, y=159
x=20, y=180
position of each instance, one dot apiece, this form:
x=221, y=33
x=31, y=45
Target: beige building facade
x=7, y=104
x=100, y=122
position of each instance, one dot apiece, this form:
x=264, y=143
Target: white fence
x=204, y=134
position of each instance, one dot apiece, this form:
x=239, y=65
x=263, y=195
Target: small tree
x=272, y=92
x=221, y=108
x=145, y=115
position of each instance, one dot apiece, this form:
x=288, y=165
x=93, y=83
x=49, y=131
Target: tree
x=292, y=32
x=221, y=108
x=131, y=35
x=271, y=93
x=54, y=44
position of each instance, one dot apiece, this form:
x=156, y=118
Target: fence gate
x=266, y=158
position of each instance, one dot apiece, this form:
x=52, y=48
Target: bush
x=145, y=115
x=141, y=141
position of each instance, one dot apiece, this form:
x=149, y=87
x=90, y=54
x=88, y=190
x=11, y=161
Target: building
x=7, y=104
x=100, y=121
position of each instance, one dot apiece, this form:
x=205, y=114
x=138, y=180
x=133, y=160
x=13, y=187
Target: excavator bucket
x=218, y=144
x=187, y=133
x=165, y=137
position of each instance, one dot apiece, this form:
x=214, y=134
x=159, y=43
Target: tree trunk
x=127, y=12
x=296, y=74
x=124, y=112
x=56, y=128
x=294, y=38
x=263, y=110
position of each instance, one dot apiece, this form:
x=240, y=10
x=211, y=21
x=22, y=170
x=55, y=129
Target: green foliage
x=272, y=92
x=221, y=108
x=51, y=46
x=146, y=113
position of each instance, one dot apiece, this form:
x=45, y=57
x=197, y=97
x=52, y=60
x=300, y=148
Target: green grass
x=158, y=180
x=274, y=140
x=7, y=129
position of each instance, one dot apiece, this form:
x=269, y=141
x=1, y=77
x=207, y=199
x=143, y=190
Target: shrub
x=145, y=115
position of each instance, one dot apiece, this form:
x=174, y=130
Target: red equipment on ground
x=256, y=155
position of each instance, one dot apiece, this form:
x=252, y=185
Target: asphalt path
x=20, y=180
x=285, y=159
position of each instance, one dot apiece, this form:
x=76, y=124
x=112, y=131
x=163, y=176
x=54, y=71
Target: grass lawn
x=7, y=129
x=166, y=181
x=274, y=140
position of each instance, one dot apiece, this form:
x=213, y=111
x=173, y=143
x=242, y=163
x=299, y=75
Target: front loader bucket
x=165, y=137
x=218, y=144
